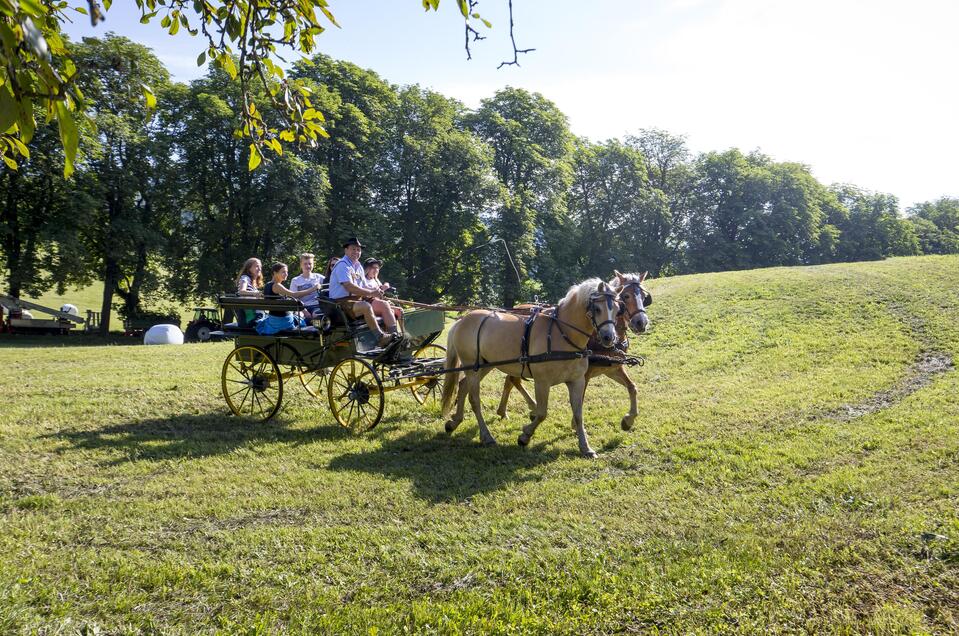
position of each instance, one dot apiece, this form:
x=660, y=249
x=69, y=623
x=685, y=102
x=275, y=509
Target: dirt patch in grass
x=920, y=374
x=930, y=362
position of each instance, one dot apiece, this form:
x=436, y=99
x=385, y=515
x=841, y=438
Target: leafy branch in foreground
x=35, y=69
x=243, y=37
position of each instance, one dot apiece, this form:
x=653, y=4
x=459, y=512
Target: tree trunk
x=110, y=278
x=11, y=240
x=131, y=299
x=111, y=265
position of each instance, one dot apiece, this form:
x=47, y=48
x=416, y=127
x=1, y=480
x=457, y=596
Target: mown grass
x=743, y=501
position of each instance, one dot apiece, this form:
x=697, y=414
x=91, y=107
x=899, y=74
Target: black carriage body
x=318, y=347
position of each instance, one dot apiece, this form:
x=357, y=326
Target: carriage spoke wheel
x=355, y=394
x=430, y=392
x=252, y=384
x=311, y=379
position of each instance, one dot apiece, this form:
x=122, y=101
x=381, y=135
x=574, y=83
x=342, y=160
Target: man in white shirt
x=305, y=280
x=347, y=289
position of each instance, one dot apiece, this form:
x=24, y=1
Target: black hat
x=352, y=241
x=372, y=261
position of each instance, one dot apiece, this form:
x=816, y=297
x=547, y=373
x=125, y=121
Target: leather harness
x=549, y=355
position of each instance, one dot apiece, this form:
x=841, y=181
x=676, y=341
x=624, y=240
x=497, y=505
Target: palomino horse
x=483, y=337
x=634, y=298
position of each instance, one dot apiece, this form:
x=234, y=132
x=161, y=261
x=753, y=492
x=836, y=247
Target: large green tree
x=873, y=229
x=748, y=211
x=124, y=171
x=435, y=180
x=936, y=223
x=359, y=106
x=531, y=145
x=228, y=213
x=670, y=171
x=40, y=219
x=623, y=222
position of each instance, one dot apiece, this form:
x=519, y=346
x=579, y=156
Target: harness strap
x=476, y=365
x=524, y=343
x=559, y=325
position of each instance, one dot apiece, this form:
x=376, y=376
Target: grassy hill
x=794, y=469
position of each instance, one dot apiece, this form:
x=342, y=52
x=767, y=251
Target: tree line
x=163, y=206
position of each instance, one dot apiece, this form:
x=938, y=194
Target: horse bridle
x=640, y=307
x=611, y=300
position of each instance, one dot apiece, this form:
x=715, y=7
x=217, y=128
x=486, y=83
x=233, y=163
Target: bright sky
x=863, y=91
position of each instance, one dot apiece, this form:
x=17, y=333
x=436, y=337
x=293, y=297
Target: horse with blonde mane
x=555, y=349
x=634, y=298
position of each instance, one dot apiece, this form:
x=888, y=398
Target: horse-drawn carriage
x=549, y=345
x=336, y=356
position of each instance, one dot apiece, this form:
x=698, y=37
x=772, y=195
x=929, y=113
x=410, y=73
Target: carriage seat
x=235, y=329
x=338, y=317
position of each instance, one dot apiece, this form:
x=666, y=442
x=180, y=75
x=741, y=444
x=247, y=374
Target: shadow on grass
x=190, y=436
x=451, y=468
x=20, y=341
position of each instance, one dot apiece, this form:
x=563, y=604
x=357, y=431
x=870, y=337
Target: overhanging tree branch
x=512, y=38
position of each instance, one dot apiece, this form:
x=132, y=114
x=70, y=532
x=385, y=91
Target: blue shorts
x=270, y=325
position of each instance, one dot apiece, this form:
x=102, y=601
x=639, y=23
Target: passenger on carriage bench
x=277, y=321
x=371, y=270
x=328, y=272
x=307, y=280
x=346, y=288
x=250, y=280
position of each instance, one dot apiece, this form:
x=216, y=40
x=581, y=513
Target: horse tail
x=450, y=380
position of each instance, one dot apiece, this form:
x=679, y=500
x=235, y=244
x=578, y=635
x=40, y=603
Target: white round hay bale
x=26, y=315
x=70, y=309
x=163, y=334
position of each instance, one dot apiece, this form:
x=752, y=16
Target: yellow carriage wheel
x=313, y=380
x=355, y=393
x=252, y=384
x=431, y=391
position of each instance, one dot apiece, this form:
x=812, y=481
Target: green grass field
x=795, y=468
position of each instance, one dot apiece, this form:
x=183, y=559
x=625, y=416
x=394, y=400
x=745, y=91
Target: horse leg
x=576, y=390
x=504, y=399
x=591, y=372
x=457, y=417
x=507, y=387
x=539, y=413
x=486, y=438
x=526, y=396
x=620, y=376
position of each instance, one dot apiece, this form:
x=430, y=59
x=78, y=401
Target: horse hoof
x=626, y=424
x=450, y=426
x=489, y=442
x=523, y=439
x=590, y=454
x=502, y=413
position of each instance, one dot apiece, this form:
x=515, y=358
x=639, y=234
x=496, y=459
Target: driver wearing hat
x=347, y=288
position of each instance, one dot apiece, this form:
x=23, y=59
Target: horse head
x=634, y=298
x=602, y=307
